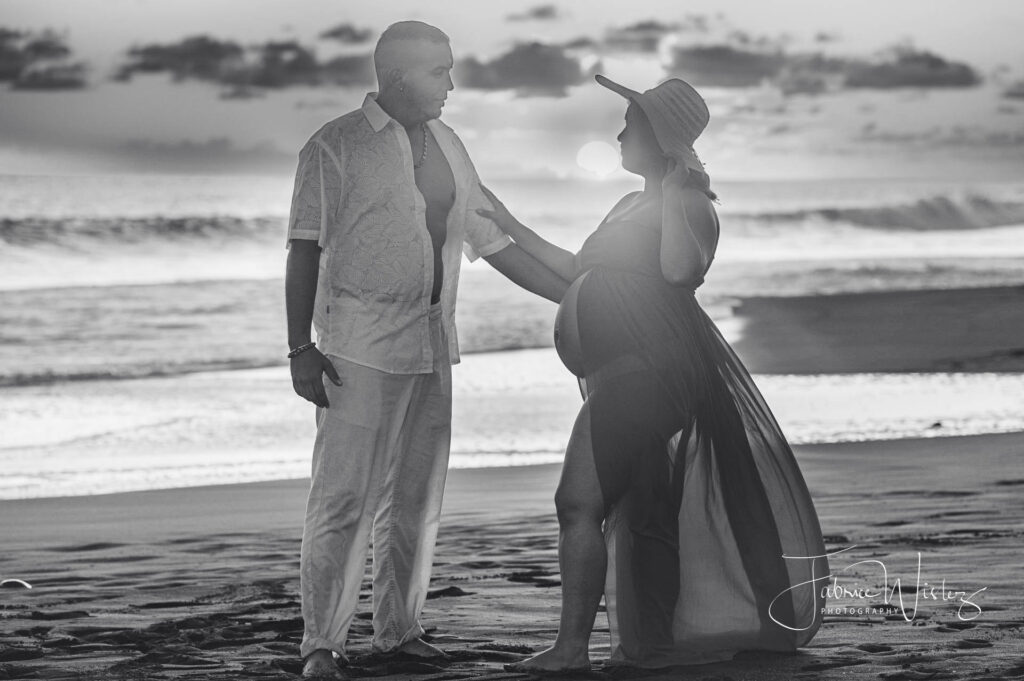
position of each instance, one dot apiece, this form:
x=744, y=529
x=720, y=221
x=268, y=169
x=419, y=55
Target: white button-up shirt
x=356, y=196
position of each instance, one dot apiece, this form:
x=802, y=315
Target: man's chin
x=431, y=114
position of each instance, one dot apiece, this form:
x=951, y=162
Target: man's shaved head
x=395, y=50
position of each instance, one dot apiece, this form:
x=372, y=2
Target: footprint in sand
x=913, y=675
x=58, y=615
x=16, y=653
x=447, y=592
x=874, y=648
x=96, y=546
x=480, y=564
x=834, y=663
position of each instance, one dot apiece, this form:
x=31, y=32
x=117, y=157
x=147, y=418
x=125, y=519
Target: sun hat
x=678, y=115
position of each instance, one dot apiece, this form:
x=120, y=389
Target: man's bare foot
x=320, y=665
x=420, y=648
x=554, y=660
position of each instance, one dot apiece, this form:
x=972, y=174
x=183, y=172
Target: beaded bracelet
x=301, y=349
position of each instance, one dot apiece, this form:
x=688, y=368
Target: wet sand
x=202, y=583
x=979, y=329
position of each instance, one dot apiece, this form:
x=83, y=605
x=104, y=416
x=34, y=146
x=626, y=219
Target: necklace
x=423, y=154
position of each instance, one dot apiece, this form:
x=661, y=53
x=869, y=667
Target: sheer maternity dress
x=713, y=540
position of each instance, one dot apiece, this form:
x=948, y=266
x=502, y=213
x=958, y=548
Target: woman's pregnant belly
x=567, y=330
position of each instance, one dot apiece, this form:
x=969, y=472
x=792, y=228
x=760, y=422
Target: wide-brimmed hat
x=677, y=112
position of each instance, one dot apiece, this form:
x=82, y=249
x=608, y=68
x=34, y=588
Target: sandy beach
x=968, y=329
x=202, y=582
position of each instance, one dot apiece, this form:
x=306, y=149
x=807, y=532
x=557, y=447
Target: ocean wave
x=21, y=379
x=74, y=232
x=940, y=212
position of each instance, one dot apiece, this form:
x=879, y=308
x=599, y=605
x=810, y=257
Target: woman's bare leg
x=581, y=553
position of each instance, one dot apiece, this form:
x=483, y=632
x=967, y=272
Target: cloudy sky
x=801, y=88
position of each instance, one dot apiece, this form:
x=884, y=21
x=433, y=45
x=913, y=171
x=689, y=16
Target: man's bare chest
x=434, y=178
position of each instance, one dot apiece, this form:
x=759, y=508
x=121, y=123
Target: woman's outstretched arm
x=556, y=259
x=689, y=225
x=528, y=272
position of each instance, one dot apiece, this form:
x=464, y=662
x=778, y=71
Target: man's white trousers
x=379, y=468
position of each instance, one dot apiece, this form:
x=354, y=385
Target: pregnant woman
x=680, y=500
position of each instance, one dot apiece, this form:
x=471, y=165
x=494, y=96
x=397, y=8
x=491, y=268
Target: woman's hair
x=702, y=181
x=697, y=178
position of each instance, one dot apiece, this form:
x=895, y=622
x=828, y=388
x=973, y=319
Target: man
x=384, y=204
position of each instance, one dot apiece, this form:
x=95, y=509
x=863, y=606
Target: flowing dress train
x=713, y=541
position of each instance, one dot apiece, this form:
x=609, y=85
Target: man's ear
x=395, y=78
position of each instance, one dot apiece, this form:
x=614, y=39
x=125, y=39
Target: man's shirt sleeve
x=483, y=238
x=317, y=188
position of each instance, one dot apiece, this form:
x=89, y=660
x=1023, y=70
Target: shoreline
x=87, y=437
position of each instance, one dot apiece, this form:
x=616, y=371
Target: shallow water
x=174, y=280
x=511, y=409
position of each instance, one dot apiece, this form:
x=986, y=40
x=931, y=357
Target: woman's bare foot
x=320, y=665
x=555, y=660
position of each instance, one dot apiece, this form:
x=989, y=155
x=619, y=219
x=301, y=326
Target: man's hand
x=308, y=371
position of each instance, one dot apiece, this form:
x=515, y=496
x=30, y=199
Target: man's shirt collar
x=377, y=117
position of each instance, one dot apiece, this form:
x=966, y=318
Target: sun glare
x=599, y=158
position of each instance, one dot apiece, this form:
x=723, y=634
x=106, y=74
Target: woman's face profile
x=641, y=153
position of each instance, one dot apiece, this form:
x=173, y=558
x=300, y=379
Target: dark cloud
x=348, y=34
x=954, y=137
x=746, y=40
x=538, y=13
x=532, y=68
x=747, y=61
x=38, y=61
x=52, y=77
x=580, y=43
x=725, y=65
x=643, y=36
x=810, y=74
x=47, y=46
x=273, y=64
x=199, y=57
x=908, y=67
x=12, y=56
x=1015, y=91
x=280, y=64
